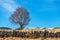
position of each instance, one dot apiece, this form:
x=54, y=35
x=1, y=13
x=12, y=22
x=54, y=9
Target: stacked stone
x=34, y=34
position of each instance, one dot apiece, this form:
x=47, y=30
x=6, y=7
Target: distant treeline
x=5, y=28
x=32, y=34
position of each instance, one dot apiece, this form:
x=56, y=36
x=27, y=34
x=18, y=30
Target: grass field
x=18, y=38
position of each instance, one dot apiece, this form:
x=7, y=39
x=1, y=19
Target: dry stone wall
x=35, y=34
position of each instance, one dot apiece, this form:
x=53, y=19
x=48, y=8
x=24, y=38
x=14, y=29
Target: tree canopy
x=21, y=17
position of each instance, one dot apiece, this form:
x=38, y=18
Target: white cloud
x=10, y=5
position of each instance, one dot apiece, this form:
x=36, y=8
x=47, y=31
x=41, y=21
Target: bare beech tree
x=21, y=17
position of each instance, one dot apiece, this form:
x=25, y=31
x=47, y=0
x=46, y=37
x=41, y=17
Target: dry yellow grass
x=17, y=38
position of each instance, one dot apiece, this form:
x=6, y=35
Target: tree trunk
x=21, y=27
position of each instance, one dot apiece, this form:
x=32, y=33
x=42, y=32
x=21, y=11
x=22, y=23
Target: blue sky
x=43, y=13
